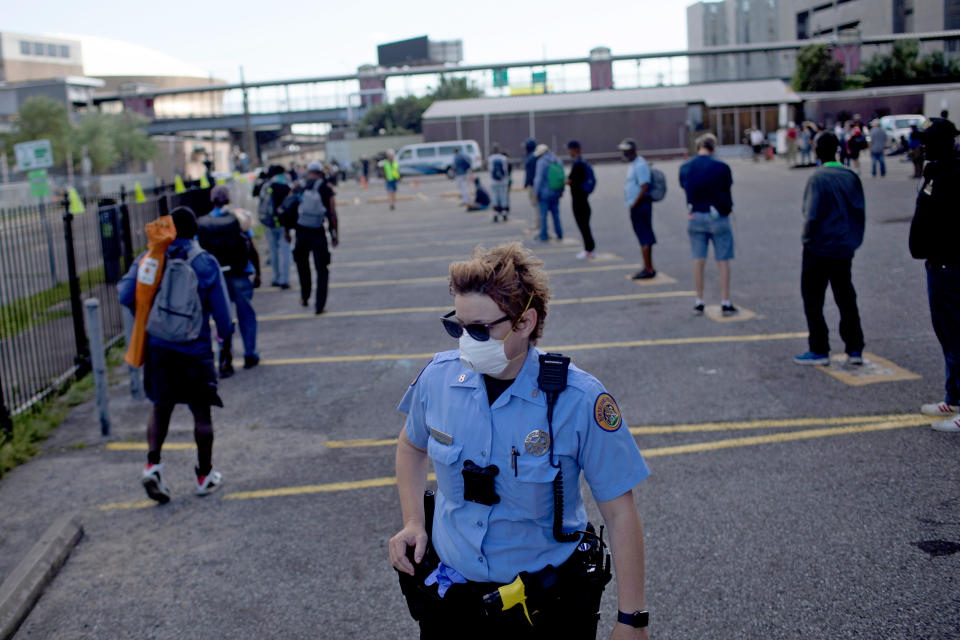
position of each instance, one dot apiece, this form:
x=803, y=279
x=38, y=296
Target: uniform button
x=479, y=524
x=483, y=453
x=480, y=559
x=533, y=394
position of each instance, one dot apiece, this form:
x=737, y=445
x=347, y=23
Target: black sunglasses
x=477, y=330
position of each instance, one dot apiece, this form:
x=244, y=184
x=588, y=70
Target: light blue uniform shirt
x=448, y=414
x=638, y=174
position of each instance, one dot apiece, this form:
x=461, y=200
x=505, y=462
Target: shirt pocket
x=446, y=465
x=528, y=495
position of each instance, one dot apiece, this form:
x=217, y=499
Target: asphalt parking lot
x=784, y=501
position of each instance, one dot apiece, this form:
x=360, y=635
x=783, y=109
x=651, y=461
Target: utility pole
x=251, y=143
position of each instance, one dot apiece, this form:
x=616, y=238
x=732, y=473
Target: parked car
x=436, y=157
x=896, y=126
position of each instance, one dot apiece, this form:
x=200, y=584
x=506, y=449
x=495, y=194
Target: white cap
x=540, y=150
x=315, y=166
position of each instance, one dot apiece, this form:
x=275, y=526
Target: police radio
x=552, y=379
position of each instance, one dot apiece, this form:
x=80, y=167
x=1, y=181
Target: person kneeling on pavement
x=481, y=199
x=178, y=362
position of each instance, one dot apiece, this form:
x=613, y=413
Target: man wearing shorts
x=391, y=174
x=636, y=190
x=707, y=182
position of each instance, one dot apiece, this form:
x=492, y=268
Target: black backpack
x=225, y=240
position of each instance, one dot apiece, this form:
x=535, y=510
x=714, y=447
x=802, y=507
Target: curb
x=23, y=587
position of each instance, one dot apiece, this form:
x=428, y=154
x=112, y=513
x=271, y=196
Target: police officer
x=481, y=415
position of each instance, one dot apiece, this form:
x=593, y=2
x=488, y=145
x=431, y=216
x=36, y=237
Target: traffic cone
x=363, y=182
x=178, y=186
x=416, y=183
x=138, y=193
x=76, y=205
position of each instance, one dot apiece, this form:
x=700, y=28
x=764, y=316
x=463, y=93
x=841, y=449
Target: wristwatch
x=637, y=619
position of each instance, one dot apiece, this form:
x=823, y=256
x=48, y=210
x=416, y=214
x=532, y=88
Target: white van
x=896, y=126
x=436, y=157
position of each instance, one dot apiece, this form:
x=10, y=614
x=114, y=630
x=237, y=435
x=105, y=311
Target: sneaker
x=209, y=483
x=698, y=309
x=950, y=425
x=811, y=358
x=644, y=275
x=153, y=483
x=284, y=287
x=855, y=358
x=226, y=369
x=304, y=302
x=583, y=255
x=728, y=310
x=940, y=410
x=249, y=362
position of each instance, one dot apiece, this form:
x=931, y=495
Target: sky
x=298, y=39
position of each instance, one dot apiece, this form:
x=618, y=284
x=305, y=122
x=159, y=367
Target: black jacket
x=833, y=212
x=936, y=220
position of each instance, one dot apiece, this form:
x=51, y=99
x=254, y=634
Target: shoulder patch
x=606, y=413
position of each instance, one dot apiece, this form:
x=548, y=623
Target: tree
x=132, y=142
x=903, y=65
x=817, y=70
x=37, y=119
x=405, y=115
x=93, y=136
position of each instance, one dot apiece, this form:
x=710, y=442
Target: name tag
x=147, y=271
x=440, y=436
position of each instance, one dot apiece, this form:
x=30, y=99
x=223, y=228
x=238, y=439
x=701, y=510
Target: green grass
x=31, y=429
x=36, y=309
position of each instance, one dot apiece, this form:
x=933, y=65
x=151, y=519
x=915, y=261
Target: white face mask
x=488, y=357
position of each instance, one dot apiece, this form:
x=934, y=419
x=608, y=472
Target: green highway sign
x=39, y=185
x=500, y=78
x=539, y=77
x=36, y=154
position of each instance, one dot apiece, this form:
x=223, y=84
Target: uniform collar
x=524, y=385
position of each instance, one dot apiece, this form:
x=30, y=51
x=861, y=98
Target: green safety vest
x=391, y=170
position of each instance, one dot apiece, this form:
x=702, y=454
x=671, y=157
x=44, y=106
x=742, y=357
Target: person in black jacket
x=582, y=181
x=933, y=237
x=834, y=217
x=530, y=170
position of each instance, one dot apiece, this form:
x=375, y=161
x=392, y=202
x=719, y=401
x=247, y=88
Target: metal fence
x=50, y=261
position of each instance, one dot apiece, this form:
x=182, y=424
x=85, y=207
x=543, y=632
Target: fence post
x=99, y=360
x=126, y=235
x=82, y=359
x=6, y=423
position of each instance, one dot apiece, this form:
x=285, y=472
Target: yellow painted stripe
x=430, y=258
x=142, y=446
x=422, y=196
x=379, y=312
x=804, y=434
x=698, y=447
x=767, y=424
x=360, y=442
x=563, y=348
x=381, y=283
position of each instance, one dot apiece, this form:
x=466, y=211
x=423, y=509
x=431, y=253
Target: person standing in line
x=548, y=182
x=791, y=136
x=806, y=139
x=500, y=171
x=530, y=172
x=856, y=142
x=461, y=169
x=878, y=147
x=707, y=182
x=915, y=146
x=508, y=453
x=391, y=174
x=756, y=142
x=240, y=262
x=582, y=182
x=317, y=203
x=183, y=372
x=834, y=218
x=933, y=238
x=636, y=188
x=272, y=193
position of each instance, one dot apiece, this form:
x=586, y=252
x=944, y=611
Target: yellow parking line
x=378, y=312
x=563, y=348
x=422, y=196
x=782, y=437
x=698, y=447
x=552, y=272
x=432, y=258
x=703, y=427
x=142, y=446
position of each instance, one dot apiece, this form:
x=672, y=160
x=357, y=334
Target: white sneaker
x=153, y=483
x=939, y=409
x=582, y=255
x=209, y=483
x=950, y=425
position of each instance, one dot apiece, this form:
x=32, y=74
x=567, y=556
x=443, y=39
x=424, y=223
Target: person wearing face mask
x=504, y=546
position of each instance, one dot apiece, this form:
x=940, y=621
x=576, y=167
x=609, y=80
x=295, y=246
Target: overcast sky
x=299, y=39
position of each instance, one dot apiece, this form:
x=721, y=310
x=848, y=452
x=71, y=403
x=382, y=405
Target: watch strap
x=637, y=619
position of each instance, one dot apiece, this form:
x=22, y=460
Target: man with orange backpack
x=178, y=358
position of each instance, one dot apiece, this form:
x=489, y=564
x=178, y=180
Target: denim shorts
x=703, y=228
x=391, y=185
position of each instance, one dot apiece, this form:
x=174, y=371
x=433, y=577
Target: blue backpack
x=590, y=182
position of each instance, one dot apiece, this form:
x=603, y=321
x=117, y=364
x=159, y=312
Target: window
x=803, y=20
x=38, y=48
x=52, y=50
x=427, y=152
x=24, y=47
x=448, y=150
x=64, y=51
x=405, y=155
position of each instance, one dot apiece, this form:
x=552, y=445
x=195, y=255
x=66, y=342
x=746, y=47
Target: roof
x=717, y=94
x=104, y=57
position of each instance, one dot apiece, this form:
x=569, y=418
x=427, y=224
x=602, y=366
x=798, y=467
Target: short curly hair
x=510, y=275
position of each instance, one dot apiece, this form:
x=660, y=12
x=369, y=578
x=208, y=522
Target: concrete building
x=731, y=22
x=32, y=57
